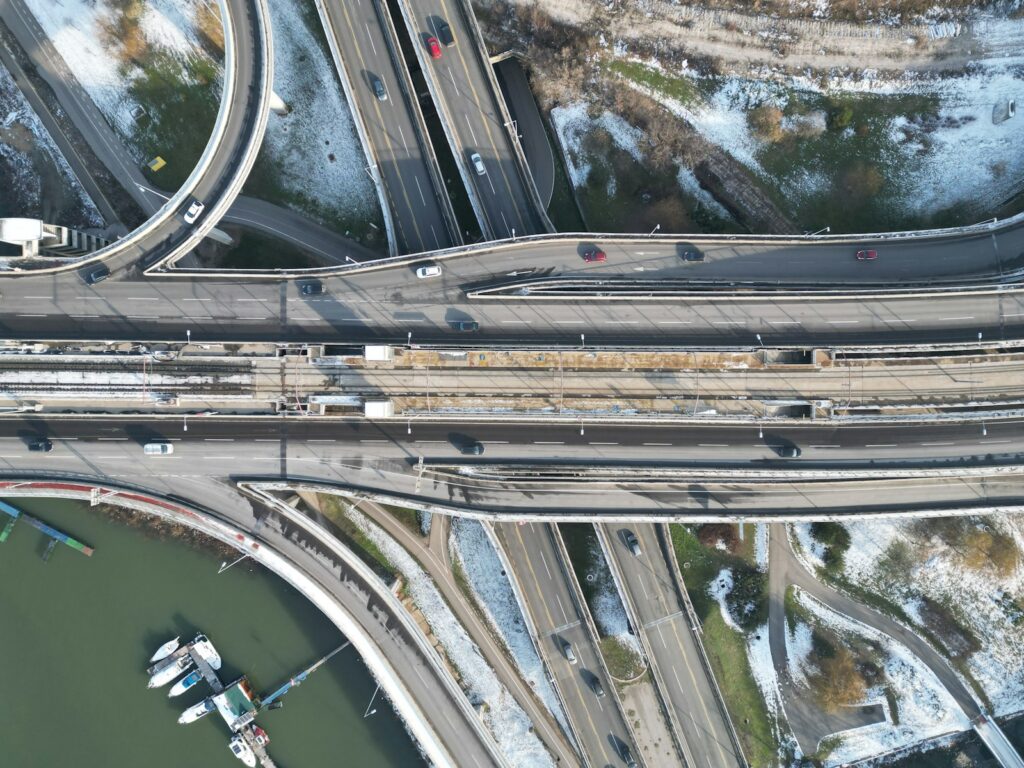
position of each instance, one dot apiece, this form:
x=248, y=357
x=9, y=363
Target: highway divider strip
x=212, y=525
x=259, y=492
x=669, y=552
x=569, y=574
x=660, y=686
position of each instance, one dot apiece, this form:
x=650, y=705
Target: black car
x=379, y=90
x=633, y=543
x=42, y=445
x=472, y=449
x=693, y=256
x=444, y=34
x=97, y=274
x=466, y=325
x=787, y=451
x=312, y=288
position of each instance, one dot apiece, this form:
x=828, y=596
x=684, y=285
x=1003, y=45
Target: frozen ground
x=719, y=589
x=985, y=602
x=573, y=122
x=483, y=569
x=36, y=179
x=314, y=147
x=502, y=716
x=606, y=606
x=76, y=29
x=926, y=709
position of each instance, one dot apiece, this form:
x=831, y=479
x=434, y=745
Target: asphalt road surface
x=473, y=119
x=396, y=147
x=662, y=618
x=551, y=604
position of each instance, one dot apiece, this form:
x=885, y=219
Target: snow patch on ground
x=761, y=546
x=608, y=611
x=480, y=562
x=926, y=709
x=573, y=122
x=17, y=149
x=811, y=551
x=719, y=589
x=315, y=146
x=692, y=187
x=76, y=29
x=503, y=717
x=762, y=667
x=982, y=600
x=798, y=649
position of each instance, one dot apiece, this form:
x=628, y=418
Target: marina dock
x=55, y=536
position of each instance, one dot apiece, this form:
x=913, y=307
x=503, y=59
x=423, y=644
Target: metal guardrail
x=665, y=541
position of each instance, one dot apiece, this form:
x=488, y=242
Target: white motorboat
x=241, y=750
x=196, y=711
x=185, y=683
x=205, y=650
x=164, y=673
x=165, y=650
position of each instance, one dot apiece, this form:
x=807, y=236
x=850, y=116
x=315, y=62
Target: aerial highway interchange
x=955, y=294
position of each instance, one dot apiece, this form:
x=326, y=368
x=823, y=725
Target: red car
x=867, y=255
x=434, y=47
x=594, y=254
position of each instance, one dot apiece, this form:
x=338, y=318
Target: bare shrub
x=838, y=682
x=715, y=535
x=766, y=122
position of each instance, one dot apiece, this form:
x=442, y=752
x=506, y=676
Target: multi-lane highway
x=472, y=118
x=660, y=618
x=559, y=624
x=359, y=30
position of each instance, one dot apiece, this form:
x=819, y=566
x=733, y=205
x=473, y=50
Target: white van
x=158, y=449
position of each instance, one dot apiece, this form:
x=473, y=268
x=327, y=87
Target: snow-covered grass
x=470, y=544
x=719, y=590
x=77, y=30
x=33, y=169
x=312, y=158
x=974, y=608
x=926, y=709
x=501, y=714
x=810, y=550
x=605, y=604
x=927, y=148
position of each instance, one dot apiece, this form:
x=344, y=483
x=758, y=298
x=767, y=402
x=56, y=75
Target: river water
x=76, y=634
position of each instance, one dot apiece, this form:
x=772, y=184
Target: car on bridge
x=195, y=210
x=632, y=542
x=478, y=163
x=42, y=444
x=428, y=270
x=434, y=47
x=692, y=256
x=466, y=326
x=591, y=255
x=867, y=255
x=444, y=32
x=379, y=90
x=97, y=274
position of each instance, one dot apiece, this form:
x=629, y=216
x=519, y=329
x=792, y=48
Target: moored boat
x=196, y=711
x=165, y=650
x=169, y=671
x=185, y=683
x=241, y=750
x=205, y=650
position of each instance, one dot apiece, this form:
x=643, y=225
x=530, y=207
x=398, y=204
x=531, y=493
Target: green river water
x=76, y=634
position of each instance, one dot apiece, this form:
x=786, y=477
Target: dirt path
x=744, y=41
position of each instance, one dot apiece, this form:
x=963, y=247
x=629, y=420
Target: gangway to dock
x=55, y=536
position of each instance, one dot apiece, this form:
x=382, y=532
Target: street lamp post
x=759, y=340
x=583, y=340
x=225, y=565
x=812, y=234
x=369, y=711
x=188, y=336
x=656, y=228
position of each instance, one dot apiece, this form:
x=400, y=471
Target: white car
x=428, y=270
x=158, y=449
x=478, y=163
x=194, y=211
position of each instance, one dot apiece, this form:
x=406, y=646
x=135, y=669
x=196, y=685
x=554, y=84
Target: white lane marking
x=143, y=317
x=545, y=561
x=373, y=441
x=369, y=36
x=28, y=315
x=602, y=443
x=470, y=126
x=267, y=440
x=675, y=322
x=219, y=439
x=38, y=297
x=657, y=443
x=401, y=133
x=569, y=322
x=110, y=439
x=784, y=322
x=843, y=322
x=547, y=442
x=728, y=322
x=941, y=443
x=251, y=318
x=881, y=445
x=420, y=190
x=712, y=445
x=430, y=441
x=824, y=446
x=621, y=322
x=83, y=317
x=994, y=441
x=962, y=317
x=314, y=440
x=197, y=299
